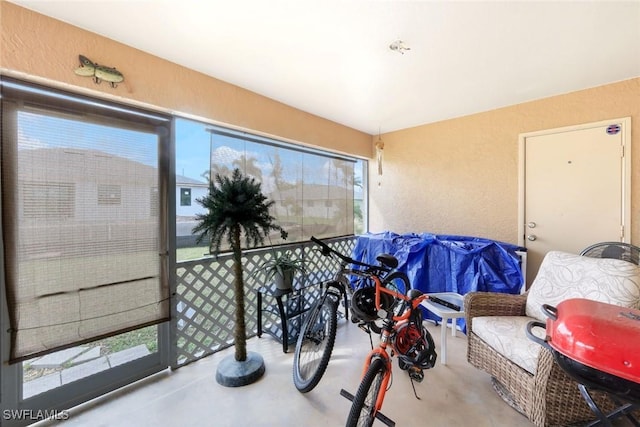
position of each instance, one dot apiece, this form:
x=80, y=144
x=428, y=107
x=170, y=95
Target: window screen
x=313, y=191
x=82, y=188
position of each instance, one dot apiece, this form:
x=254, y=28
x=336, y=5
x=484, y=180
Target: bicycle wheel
x=363, y=408
x=315, y=344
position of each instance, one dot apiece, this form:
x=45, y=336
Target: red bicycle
x=403, y=333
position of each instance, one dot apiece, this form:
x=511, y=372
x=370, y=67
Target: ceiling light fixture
x=399, y=46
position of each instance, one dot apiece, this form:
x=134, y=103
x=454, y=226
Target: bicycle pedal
x=416, y=374
x=364, y=327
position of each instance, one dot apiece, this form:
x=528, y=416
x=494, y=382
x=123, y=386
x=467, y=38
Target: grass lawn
x=186, y=254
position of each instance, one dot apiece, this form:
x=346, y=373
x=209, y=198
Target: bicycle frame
x=390, y=325
x=318, y=332
x=341, y=283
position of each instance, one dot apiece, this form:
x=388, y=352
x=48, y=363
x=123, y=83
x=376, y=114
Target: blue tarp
x=445, y=263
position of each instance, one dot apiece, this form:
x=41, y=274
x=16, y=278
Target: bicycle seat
x=387, y=260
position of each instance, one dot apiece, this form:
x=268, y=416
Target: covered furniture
x=446, y=263
x=524, y=373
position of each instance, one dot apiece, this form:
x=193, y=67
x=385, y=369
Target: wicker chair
x=547, y=396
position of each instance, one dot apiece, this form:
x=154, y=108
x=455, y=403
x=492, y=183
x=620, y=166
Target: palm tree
x=250, y=166
x=236, y=206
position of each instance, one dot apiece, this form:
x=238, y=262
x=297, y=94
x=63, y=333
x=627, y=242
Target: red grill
x=598, y=345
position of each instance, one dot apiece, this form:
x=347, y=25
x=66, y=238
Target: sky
x=37, y=131
x=192, y=156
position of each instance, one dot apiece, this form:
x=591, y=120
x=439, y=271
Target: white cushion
x=563, y=276
x=507, y=336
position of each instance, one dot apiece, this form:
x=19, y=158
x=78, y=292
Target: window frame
x=15, y=94
x=184, y=193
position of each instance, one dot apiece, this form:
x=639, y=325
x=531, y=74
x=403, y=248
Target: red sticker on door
x=613, y=129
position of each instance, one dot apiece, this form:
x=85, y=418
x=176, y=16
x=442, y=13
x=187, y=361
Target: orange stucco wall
x=46, y=50
x=460, y=176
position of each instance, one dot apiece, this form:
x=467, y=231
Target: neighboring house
x=312, y=201
x=112, y=203
x=97, y=201
x=188, y=190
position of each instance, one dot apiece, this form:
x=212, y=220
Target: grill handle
x=550, y=311
x=529, y=331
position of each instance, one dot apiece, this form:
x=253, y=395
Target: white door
x=574, y=188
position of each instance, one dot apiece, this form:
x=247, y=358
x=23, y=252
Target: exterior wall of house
x=46, y=50
x=197, y=192
x=460, y=176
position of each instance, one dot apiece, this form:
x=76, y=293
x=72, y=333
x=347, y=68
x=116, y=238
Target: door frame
x=17, y=411
x=625, y=125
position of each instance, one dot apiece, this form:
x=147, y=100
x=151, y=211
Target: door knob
x=531, y=224
x=531, y=237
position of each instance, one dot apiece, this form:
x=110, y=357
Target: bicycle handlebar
x=326, y=251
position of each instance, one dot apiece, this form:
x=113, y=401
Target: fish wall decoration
x=99, y=72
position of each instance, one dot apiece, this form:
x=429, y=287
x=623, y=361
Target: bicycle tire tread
x=305, y=386
x=377, y=367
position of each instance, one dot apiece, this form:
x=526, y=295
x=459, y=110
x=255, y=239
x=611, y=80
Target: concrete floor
x=454, y=394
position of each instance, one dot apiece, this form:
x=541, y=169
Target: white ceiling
x=332, y=58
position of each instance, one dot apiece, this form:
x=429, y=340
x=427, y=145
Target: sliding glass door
x=85, y=249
